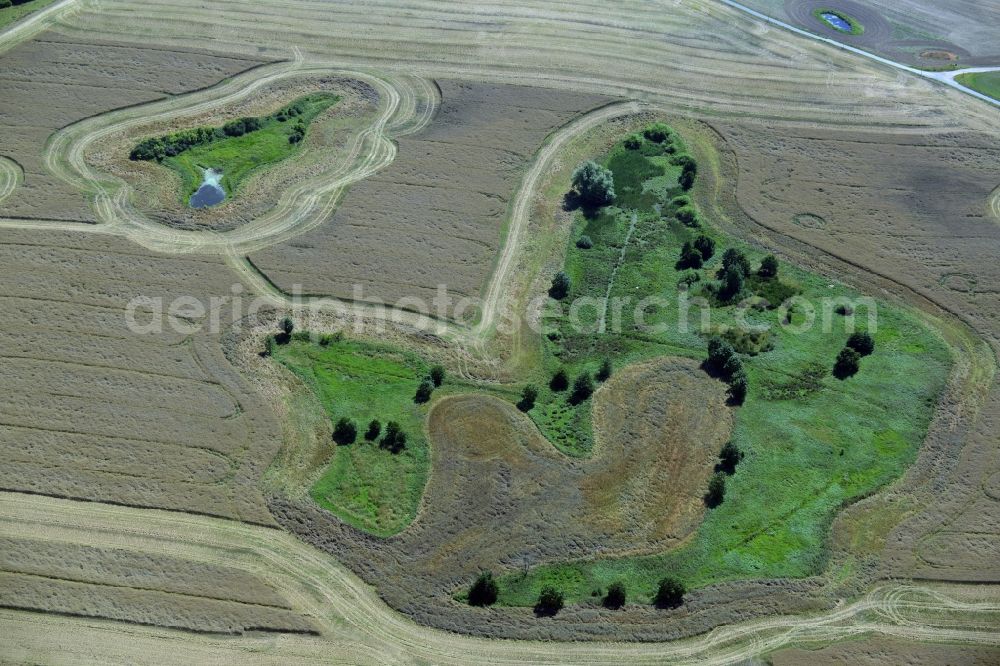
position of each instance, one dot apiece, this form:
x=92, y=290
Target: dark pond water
x=210, y=193
x=836, y=21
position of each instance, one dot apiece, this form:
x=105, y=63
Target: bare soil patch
x=436, y=215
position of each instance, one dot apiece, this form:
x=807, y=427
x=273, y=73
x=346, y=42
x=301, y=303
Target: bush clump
x=550, y=601
x=669, y=593
x=847, y=364
x=484, y=590
x=345, y=432
x=615, y=598
x=561, y=285
x=394, y=439
x=584, y=242
x=861, y=343
x=528, y=396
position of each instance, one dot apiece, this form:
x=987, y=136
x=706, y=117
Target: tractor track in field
x=357, y=627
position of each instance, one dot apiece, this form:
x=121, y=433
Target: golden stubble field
x=878, y=178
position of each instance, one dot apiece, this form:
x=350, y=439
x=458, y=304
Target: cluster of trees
x=427, y=385
x=298, y=133
x=724, y=360
x=583, y=385
x=848, y=360
x=345, y=432
x=484, y=592
x=242, y=126
x=594, y=184
x=697, y=252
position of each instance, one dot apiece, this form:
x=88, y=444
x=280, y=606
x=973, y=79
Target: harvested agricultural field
x=52, y=81
x=438, y=211
x=70, y=579
x=931, y=35
x=93, y=409
x=175, y=495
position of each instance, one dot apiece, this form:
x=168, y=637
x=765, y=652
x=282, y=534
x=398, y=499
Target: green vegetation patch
x=987, y=83
x=14, y=10
x=237, y=148
x=811, y=442
x=856, y=28
x=365, y=484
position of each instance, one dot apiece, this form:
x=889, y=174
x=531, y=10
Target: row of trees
x=159, y=148
x=485, y=591
x=394, y=440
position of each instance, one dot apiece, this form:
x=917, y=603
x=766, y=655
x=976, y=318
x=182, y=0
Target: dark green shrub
x=528, y=396
x=560, y=286
x=374, y=430
x=584, y=242
x=345, y=432
x=657, y=132
x=559, y=381
x=394, y=439
x=733, y=258
x=615, y=598
x=690, y=257
x=862, y=343
x=604, y=372
x=550, y=601
x=484, y=590
x=583, y=387
x=437, y=375
x=424, y=391
x=705, y=245
x=632, y=142
x=729, y=458
x=847, y=364
x=669, y=593
x=768, y=267
x=688, y=216
x=716, y=490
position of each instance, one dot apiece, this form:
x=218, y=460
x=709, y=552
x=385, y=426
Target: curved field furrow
x=10, y=176
x=358, y=628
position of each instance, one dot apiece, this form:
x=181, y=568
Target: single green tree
x=705, y=245
x=437, y=375
x=559, y=381
x=583, y=387
x=560, y=286
x=862, y=343
x=594, y=184
x=374, y=430
x=424, y=391
x=484, y=590
x=768, y=267
x=716, y=490
x=604, y=372
x=550, y=601
x=287, y=325
x=345, y=432
x=729, y=458
x=669, y=593
x=615, y=598
x=847, y=364
x=738, y=386
x=528, y=396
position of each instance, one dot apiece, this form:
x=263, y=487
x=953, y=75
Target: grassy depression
x=812, y=442
x=236, y=152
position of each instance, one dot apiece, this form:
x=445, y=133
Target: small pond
x=837, y=21
x=210, y=193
